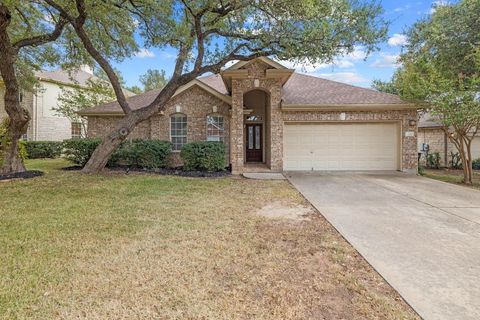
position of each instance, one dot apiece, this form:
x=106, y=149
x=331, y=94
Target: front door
x=254, y=143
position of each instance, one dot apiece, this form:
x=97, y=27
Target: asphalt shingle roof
x=78, y=77
x=300, y=89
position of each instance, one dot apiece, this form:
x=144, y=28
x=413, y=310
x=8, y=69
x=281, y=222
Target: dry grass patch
x=153, y=247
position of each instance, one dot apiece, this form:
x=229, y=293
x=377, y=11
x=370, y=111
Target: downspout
x=35, y=117
x=445, y=148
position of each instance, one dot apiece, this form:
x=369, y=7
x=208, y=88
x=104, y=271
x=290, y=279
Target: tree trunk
x=468, y=144
x=110, y=143
x=19, y=117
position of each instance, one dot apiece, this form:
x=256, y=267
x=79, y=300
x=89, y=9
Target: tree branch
x=44, y=38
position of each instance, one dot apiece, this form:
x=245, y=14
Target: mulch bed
x=22, y=175
x=165, y=171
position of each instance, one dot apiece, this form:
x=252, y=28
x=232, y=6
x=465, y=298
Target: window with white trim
x=76, y=130
x=178, y=131
x=215, y=128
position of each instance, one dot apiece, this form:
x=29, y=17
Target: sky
x=355, y=68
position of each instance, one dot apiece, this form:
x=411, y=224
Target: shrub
x=433, y=160
x=456, y=162
x=43, y=149
x=203, y=156
x=147, y=154
x=79, y=151
x=137, y=153
x=476, y=164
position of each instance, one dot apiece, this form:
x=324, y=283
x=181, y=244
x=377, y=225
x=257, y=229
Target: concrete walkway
x=421, y=235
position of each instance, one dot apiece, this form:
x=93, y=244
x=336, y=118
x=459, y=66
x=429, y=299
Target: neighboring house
x=45, y=124
x=271, y=118
x=431, y=133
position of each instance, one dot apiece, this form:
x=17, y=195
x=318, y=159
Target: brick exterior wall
x=195, y=103
x=273, y=120
x=409, y=153
x=436, y=139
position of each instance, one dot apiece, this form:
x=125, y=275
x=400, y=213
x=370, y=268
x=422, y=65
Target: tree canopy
x=153, y=79
x=441, y=67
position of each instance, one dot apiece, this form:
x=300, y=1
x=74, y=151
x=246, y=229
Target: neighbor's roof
x=428, y=121
x=77, y=77
x=300, y=89
x=72, y=78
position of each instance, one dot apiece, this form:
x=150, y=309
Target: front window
x=215, y=128
x=178, y=131
x=76, y=130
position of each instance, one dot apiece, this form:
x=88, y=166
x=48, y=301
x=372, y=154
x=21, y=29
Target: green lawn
x=140, y=246
x=452, y=176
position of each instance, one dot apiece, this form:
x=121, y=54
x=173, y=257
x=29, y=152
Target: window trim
x=71, y=130
x=223, y=126
x=173, y=115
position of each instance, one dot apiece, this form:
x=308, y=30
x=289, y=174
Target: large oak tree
x=207, y=34
x=34, y=35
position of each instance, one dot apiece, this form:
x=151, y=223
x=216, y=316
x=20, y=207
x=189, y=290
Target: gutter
x=348, y=107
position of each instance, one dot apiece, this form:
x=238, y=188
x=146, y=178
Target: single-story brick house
x=271, y=118
x=431, y=134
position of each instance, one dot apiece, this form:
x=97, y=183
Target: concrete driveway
x=421, y=235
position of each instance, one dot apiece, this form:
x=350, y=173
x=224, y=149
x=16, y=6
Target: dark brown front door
x=254, y=143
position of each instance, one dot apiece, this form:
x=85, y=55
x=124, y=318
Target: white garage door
x=355, y=146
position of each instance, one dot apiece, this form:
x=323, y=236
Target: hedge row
x=150, y=154
x=136, y=153
x=43, y=149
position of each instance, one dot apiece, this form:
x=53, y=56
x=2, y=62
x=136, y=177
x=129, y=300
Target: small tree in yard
x=441, y=66
x=72, y=100
x=207, y=34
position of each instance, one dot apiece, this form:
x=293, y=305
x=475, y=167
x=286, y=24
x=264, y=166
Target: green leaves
x=153, y=79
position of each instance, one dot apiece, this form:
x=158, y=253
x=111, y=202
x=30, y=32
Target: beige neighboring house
x=431, y=133
x=45, y=124
x=274, y=119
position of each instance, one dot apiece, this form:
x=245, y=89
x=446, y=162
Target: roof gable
x=144, y=99
x=268, y=61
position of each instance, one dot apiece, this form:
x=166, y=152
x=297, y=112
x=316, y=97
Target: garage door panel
x=359, y=146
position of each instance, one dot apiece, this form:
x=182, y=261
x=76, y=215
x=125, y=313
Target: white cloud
x=144, y=53
x=346, y=77
x=342, y=62
x=386, y=61
x=400, y=9
x=397, y=39
x=437, y=4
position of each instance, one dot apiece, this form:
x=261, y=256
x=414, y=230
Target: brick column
x=236, y=129
x=276, y=129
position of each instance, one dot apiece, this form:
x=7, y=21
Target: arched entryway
x=256, y=126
